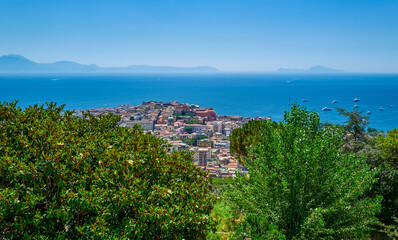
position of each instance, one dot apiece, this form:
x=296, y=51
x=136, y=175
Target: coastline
x=229, y=94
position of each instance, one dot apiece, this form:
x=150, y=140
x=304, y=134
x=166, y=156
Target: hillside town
x=186, y=127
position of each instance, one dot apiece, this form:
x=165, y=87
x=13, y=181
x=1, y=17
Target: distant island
x=19, y=64
x=313, y=69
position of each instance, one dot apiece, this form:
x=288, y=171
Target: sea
x=241, y=94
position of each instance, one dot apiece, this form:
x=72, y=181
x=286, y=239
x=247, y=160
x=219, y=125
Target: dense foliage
x=189, y=129
x=392, y=230
x=301, y=186
x=242, y=138
x=193, y=121
x=381, y=153
x=388, y=184
x=68, y=177
x=389, y=148
x=225, y=221
x=220, y=182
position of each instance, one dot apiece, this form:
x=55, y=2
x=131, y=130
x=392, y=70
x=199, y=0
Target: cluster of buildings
x=186, y=127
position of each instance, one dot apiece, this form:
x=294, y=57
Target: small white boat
x=305, y=100
x=381, y=109
x=334, y=101
x=391, y=106
x=326, y=109
x=368, y=112
x=357, y=99
x=356, y=106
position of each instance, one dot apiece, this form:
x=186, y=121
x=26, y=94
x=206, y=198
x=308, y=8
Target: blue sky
x=245, y=35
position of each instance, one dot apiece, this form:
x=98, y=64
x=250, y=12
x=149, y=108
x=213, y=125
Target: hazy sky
x=245, y=35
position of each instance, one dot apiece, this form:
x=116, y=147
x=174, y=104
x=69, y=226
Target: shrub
x=68, y=177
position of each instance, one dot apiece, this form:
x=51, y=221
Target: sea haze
x=18, y=64
x=230, y=94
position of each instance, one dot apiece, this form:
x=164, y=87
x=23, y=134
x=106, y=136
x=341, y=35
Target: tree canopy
x=356, y=122
x=189, y=129
x=388, y=177
x=68, y=177
x=242, y=138
x=389, y=148
x=301, y=186
x=193, y=121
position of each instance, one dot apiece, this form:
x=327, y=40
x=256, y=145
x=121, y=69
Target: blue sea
x=229, y=94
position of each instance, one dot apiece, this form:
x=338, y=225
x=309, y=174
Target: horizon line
x=300, y=71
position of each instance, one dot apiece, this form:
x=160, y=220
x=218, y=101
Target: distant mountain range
x=313, y=69
x=13, y=63
x=18, y=64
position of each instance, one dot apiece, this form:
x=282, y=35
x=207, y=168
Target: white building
x=147, y=125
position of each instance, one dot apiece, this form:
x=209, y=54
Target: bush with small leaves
x=67, y=177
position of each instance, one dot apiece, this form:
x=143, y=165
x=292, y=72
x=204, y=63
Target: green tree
x=392, y=230
x=224, y=221
x=388, y=177
x=301, y=186
x=248, y=135
x=387, y=186
x=193, y=121
x=189, y=129
x=244, y=137
x=356, y=123
x=63, y=177
x=389, y=148
x=379, y=154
